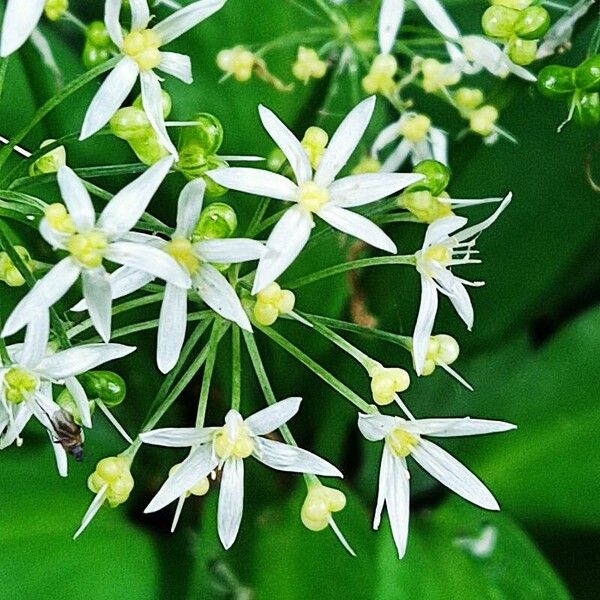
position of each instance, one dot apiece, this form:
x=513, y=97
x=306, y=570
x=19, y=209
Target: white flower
x=403, y=439
x=26, y=383
x=420, y=141
x=225, y=448
x=193, y=260
x=316, y=193
x=20, y=19
x=90, y=241
x=442, y=248
x=140, y=56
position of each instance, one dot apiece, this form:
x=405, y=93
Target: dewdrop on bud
x=315, y=141
x=49, y=162
x=415, y=127
x=217, y=221
x=320, y=502
x=200, y=488
x=112, y=472
x=237, y=61
x=380, y=78
x=272, y=302
x=437, y=76
x=308, y=64
x=107, y=386
x=367, y=164
x=9, y=272
x=55, y=9
x=387, y=382
x=483, y=120
x=468, y=98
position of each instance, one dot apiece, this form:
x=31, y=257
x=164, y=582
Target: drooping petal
x=384, y=469
x=344, y=142
x=140, y=14
x=390, y=17
x=77, y=199
x=153, y=107
x=97, y=294
x=230, y=250
x=271, y=418
x=284, y=457
x=436, y=14
x=452, y=427
x=454, y=475
x=439, y=144
x=217, y=292
x=48, y=290
x=20, y=19
x=375, y=427
x=358, y=190
x=231, y=501
x=358, y=226
x=186, y=18
x=397, y=501
x=255, y=181
x=178, y=437
x=386, y=136
x=395, y=160
x=457, y=294
x=424, y=325
x=440, y=229
x=112, y=93
x=62, y=466
x=286, y=241
x=36, y=340
x=112, y=12
x=81, y=400
x=94, y=507
x=189, y=207
x=470, y=232
x=288, y=144
x=177, y=65
x=171, y=327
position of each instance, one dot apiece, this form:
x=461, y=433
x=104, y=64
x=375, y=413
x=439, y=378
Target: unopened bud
x=272, y=302
x=104, y=385
x=217, y=221
x=320, y=502
x=50, y=162
x=308, y=64
x=387, y=382
x=237, y=61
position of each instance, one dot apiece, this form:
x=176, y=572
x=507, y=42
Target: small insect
x=67, y=433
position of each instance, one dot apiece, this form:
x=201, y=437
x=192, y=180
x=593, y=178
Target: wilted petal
x=178, y=437
x=424, y=325
x=81, y=400
x=230, y=250
x=36, y=340
x=189, y=208
x=77, y=199
x=231, y=501
x=453, y=427
x=20, y=19
x=153, y=107
x=390, y=17
x=375, y=427
x=255, y=181
x=171, y=327
x=97, y=293
x=271, y=418
x=177, y=65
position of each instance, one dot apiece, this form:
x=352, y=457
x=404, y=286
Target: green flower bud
x=555, y=81
x=167, y=104
x=217, y=221
x=587, y=74
x=522, y=52
x=206, y=137
x=65, y=400
x=275, y=160
x=9, y=273
x=92, y=56
x=130, y=123
x=499, y=21
x=437, y=176
x=148, y=148
x=515, y=4
x=55, y=9
x=104, y=385
x=50, y=162
x=532, y=23
x=587, y=110
x=97, y=34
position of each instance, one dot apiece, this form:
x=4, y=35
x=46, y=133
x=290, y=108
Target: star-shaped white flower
x=443, y=248
x=20, y=19
x=194, y=260
x=315, y=194
x=26, y=383
x=141, y=54
x=225, y=448
x=404, y=438
x=90, y=241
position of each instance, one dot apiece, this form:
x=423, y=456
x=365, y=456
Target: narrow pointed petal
x=36, y=340
x=153, y=107
x=284, y=457
x=440, y=229
x=218, y=294
x=397, y=500
x=171, y=327
x=386, y=136
x=94, y=507
x=358, y=190
x=454, y=475
x=424, y=325
x=358, y=226
x=436, y=14
x=178, y=437
x=140, y=14
x=271, y=418
x=77, y=199
x=375, y=427
x=288, y=144
x=390, y=17
x=178, y=510
x=286, y=241
x=20, y=19
x=395, y=160
x=470, y=232
x=81, y=399
x=344, y=142
x=457, y=294
x=452, y=427
x=439, y=145
x=62, y=465
x=112, y=12
x=186, y=18
x=97, y=294
x=177, y=65
x=112, y=93
x=231, y=501
x=48, y=290
x=384, y=475
x=230, y=250
x=255, y=181
x=79, y=359
x=189, y=207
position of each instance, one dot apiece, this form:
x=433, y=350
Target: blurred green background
x=532, y=358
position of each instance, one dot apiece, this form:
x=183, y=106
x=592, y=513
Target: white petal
x=171, y=327
x=457, y=294
x=344, y=142
x=79, y=359
x=152, y=260
x=390, y=17
x=140, y=14
x=52, y=237
x=177, y=65
x=36, y=339
x=77, y=199
x=61, y=457
x=153, y=107
x=439, y=144
x=357, y=190
x=195, y=467
x=472, y=231
x=440, y=229
x=395, y=160
x=189, y=207
x=286, y=241
x=271, y=418
x=425, y=319
x=255, y=181
x=386, y=136
x=375, y=427
x=20, y=19
x=178, y=437
x=436, y=14
x=288, y=144
x=358, y=226
x=217, y=292
x=454, y=475
x=97, y=294
x=186, y=18
x=112, y=11
x=48, y=290
x=397, y=500
x=112, y=93
x=81, y=400
x=231, y=250
x=456, y=427
x=231, y=501
x=94, y=507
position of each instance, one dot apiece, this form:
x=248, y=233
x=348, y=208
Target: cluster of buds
x=387, y=382
x=308, y=65
x=9, y=272
x=272, y=302
x=482, y=117
x=49, y=162
x=113, y=475
x=320, y=502
x=442, y=350
x=380, y=78
x=519, y=24
x=98, y=46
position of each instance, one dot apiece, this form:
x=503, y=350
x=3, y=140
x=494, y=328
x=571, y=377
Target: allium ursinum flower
x=90, y=241
x=403, y=439
x=225, y=448
x=315, y=193
x=26, y=383
x=140, y=55
x=419, y=141
x=194, y=261
x=444, y=246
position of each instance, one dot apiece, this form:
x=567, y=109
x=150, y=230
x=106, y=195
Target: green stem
x=236, y=369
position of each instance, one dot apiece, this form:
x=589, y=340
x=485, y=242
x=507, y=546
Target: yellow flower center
x=182, y=250
x=19, y=385
x=400, y=442
x=437, y=75
x=200, y=488
x=113, y=472
x=380, y=79
x=425, y=206
x=312, y=197
x=415, y=127
x=59, y=219
x=239, y=446
x=142, y=46
x=438, y=253
x=55, y=9
x=88, y=248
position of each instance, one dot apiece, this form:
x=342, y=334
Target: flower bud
x=104, y=385
x=437, y=176
x=92, y=56
x=587, y=74
x=483, y=120
x=318, y=505
x=587, y=110
x=55, y=9
x=308, y=64
x=237, y=61
x=468, y=98
x=9, y=272
x=440, y=349
x=424, y=205
x=315, y=141
x=206, y=137
x=522, y=52
x=272, y=302
x=276, y=160
x=50, y=162
x=167, y=103
x=367, y=164
x=97, y=35
x=217, y=221
x=556, y=81
x=437, y=75
x=66, y=401
x=380, y=79
x=113, y=472
x=499, y=21
x=386, y=383
x=148, y=148
x=532, y=23
x=130, y=123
